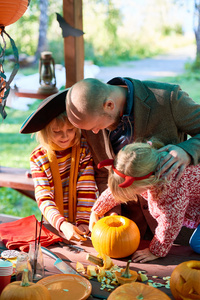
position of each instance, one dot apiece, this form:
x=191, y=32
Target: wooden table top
x=31, y=94
x=161, y=267
x=15, y=178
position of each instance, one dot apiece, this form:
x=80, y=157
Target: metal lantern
x=47, y=77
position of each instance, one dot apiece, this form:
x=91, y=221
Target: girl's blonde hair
x=44, y=136
x=136, y=160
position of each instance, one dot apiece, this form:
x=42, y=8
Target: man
x=124, y=110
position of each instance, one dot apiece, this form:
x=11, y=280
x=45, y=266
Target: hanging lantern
x=10, y=12
x=47, y=77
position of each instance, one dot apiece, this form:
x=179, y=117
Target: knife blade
x=59, y=263
x=66, y=269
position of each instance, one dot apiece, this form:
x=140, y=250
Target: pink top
x=173, y=205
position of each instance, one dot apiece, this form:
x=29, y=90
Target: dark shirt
x=123, y=134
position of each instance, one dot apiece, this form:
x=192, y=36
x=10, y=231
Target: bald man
x=123, y=110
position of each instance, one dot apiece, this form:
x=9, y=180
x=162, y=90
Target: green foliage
x=15, y=147
x=15, y=204
x=15, y=151
x=168, y=30
x=195, y=66
x=149, y=32
x=109, y=36
x=189, y=82
x=57, y=47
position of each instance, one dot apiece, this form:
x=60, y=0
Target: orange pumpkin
x=136, y=291
x=25, y=290
x=11, y=11
x=115, y=236
x=185, y=281
x=126, y=275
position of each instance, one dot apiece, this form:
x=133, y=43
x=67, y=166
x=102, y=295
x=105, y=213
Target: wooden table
x=161, y=267
x=18, y=180
x=31, y=94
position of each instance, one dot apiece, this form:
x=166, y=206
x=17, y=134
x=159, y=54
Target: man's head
x=90, y=105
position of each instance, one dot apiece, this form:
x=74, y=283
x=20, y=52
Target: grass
x=16, y=147
x=15, y=151
x=189, y=82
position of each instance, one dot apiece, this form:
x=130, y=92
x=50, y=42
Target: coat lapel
x=141, y=109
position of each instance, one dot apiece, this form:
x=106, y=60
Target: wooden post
x=73, y=46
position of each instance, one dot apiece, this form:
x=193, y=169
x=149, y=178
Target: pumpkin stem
x=140, y=297
x=95, y=260
x=25, y=281
x=126, y=273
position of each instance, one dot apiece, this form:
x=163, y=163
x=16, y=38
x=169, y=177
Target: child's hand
x=84, y=227
x=72, y=232
x=143, y=256
x=93, y=219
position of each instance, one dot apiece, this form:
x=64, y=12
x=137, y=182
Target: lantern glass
x=47, y=77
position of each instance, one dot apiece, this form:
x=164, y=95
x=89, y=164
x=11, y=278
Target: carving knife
x=66, y=269
x=59, y=263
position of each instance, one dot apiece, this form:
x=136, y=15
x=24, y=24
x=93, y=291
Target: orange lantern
x=11, y=11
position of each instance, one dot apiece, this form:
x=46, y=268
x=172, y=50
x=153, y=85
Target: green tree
x=43, y=26
x=196, y=25
x=101, y=20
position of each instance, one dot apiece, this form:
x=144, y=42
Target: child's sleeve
x=44, y=195
x=169, y=209
x=87, y=191
x=104, y=203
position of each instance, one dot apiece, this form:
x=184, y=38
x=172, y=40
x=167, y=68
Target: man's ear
x=108, y=105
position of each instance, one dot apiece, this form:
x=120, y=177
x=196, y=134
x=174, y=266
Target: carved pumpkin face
x=115, y=236
x=185, y=281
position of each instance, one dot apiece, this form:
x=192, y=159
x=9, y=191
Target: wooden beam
x=73, y=46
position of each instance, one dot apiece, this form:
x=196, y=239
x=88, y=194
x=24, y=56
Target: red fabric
x=18, y=234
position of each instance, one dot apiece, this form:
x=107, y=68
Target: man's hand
x=71, y=232
x=143, y=256
x=176, y=158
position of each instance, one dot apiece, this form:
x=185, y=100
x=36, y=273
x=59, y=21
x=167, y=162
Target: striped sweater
x=44, y=187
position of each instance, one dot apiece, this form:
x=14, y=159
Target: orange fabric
x=75, y=156
x=58, y=191
x=18, y=234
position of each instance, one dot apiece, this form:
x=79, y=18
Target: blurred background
x=157, y=39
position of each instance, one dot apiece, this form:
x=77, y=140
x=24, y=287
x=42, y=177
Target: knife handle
x=49, y=253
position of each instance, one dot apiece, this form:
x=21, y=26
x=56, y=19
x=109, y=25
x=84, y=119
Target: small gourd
x=25, y=290
x=137, y=291
x=126, y=275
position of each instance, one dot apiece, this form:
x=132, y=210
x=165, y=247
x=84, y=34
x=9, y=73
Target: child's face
x=63, y=135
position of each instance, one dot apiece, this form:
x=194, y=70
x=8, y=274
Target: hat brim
x=49, y=109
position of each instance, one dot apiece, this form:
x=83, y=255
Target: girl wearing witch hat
x=62, y=168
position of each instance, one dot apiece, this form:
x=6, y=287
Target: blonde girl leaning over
x=172, y=203
x=62, y=169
